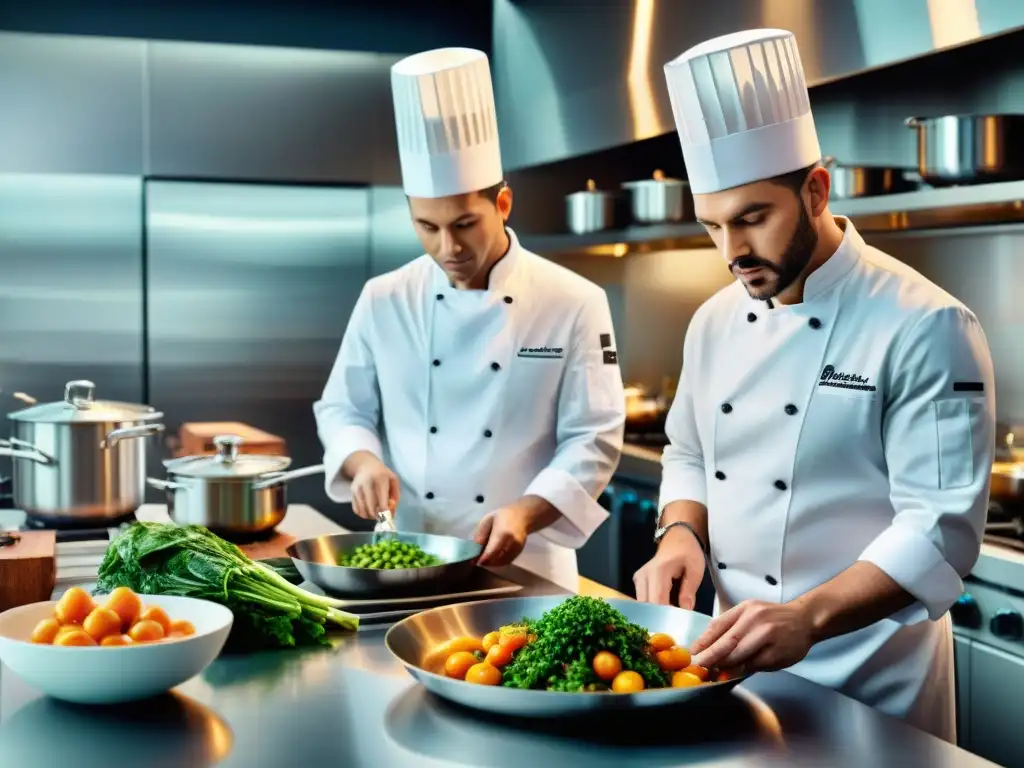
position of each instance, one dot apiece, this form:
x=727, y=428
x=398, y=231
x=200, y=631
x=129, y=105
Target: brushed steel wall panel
x=393, y=240
x=250, y=290
x=569, y=81
x=254, y=113
x=70, y=287
x=70, y=104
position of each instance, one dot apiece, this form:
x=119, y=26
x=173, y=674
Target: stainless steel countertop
x=354, y=705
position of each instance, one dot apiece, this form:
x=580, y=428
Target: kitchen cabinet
x=997, y=679
x=962, y=670
x=250, y=113
x=71, y=104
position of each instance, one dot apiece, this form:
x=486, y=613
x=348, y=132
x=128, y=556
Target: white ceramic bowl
x=114, y=674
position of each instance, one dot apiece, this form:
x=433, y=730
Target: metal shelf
x=931, y=208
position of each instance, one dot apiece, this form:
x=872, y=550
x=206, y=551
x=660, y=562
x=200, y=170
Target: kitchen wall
x=654, y=296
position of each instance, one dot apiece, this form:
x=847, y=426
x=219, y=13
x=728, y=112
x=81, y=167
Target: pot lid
x=227, y=462
x=78, y=406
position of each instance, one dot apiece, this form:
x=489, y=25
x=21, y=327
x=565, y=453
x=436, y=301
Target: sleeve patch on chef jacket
x=610, y=357
x=606, y=340
x=968, y=386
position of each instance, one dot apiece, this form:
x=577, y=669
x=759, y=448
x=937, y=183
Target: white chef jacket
x=856, y=425
x=477, y=398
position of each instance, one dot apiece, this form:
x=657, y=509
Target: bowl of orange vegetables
x=112, y=648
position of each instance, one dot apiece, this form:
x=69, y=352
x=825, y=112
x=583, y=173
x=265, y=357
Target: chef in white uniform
x=833, y=431
x=477, y=390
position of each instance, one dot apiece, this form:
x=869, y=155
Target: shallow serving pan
x=414, y=640
x=316, y=559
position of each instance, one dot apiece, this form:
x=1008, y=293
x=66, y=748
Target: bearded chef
x=833, y=431
x=477, y=391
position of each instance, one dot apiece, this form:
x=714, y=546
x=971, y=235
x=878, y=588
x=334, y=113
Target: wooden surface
x=196, y=438
x=274, y=547
x=593, y=589
x=28, y=569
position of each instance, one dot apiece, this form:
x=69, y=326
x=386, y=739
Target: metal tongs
x=385, y=524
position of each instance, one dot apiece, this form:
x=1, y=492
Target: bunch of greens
x=388, y=554
x=189, y=561
x=567, y=639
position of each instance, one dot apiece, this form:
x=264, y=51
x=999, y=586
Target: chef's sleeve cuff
x=913, y=562
x=344, y=443
x=580, y=516
x=681, y=482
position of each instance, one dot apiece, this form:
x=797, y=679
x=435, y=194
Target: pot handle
x=277, y=478
x=127, y=433
x=163, y=485
x=19, y=449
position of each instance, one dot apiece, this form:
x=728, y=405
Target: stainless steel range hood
x=573, y=77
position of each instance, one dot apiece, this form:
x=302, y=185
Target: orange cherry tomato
x=73, y=606
x=458, y=664
x=78, y=637
x=146, y=631
x=698, y=671
x=491, y=638
x=684, y=679
x=45, y=631
x=514, y=641
x=661, y=642
x=723, y=675
x=499, y=655
x=116, y=640
x=484, y=674
x=673, y=659
x=102, y=622
x=606, y=665
x=627, y=682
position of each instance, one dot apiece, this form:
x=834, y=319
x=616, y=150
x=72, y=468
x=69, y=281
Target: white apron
x=857, y=425
x=477, y=398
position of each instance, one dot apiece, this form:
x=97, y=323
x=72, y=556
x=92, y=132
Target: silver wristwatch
x=660, y=532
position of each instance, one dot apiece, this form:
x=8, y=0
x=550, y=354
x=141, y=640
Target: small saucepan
x=232, y=494
x=850, y=181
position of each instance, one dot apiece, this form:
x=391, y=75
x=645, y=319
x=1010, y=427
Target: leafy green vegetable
x=389, y=554
x=567, y=639
x=189, y=561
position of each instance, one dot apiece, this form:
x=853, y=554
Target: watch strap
x=660, y=534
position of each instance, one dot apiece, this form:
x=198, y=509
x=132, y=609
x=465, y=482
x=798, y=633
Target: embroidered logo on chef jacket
x=830, y=377
x=543, y=353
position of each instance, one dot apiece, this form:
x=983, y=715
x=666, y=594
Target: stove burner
x=75, y=524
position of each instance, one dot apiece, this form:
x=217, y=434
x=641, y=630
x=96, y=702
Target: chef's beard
x=790, y=266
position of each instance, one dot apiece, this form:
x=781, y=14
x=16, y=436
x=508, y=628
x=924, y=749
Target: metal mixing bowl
x=317, y=561
x=413, y=640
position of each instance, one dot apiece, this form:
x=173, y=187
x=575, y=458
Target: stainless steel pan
x=317, y=561
x=80, y=459
x=969, y=149
x=413, y=640
x=232, y=494
x=850, y=181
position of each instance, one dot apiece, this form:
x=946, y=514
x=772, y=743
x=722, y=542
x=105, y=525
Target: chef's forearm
x=356, y=461
x=692, y=513
x=539, y=513
x=856, y=598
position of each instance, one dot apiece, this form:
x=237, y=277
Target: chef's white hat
x=446, y=121
x=742, y=110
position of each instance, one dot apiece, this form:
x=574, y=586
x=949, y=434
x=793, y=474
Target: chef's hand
x=502, y=534
x=755, y=637
x=679, y=556
x=374, y=486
